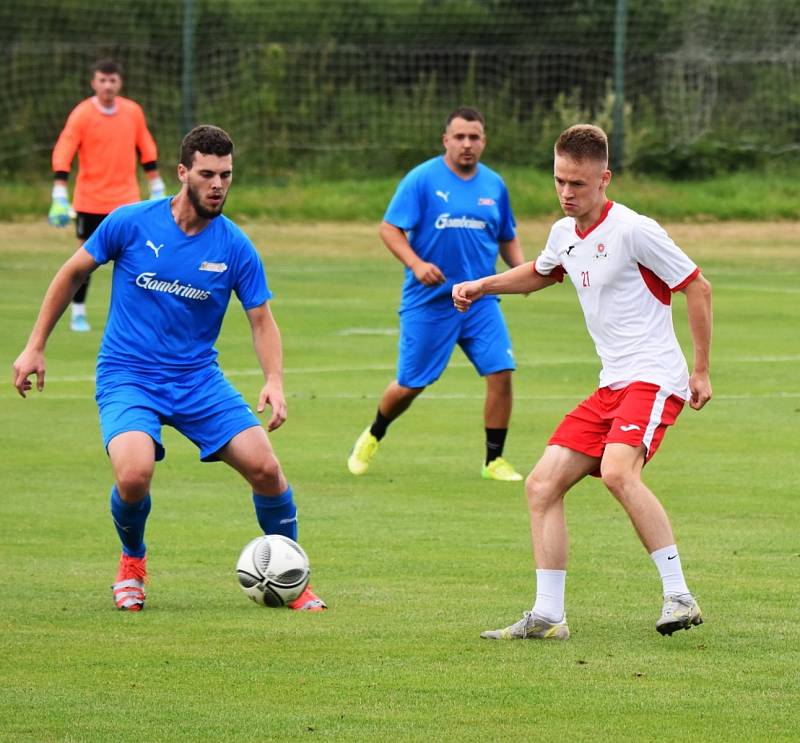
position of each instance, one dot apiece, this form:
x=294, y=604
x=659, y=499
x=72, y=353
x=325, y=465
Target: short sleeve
x=653, y=248
x=508, y=225
x=548, y=264
x=251, y=281
x=108, y=240
x=405, y=208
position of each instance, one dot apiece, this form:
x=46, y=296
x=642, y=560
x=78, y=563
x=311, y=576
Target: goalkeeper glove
x=156, y=187
x=60, y=210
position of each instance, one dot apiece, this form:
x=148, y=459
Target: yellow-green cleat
x=364, y=450
x=680, y=611
x=500, y=469
x=530, y=627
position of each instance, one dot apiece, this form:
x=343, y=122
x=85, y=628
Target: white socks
x=550, y=584
x=668, y=562
x=78, y=309
x=550, y=594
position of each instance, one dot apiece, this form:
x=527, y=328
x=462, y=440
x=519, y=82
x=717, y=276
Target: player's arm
x=148, y=153
x=511, y=252
x=154, y=181
x=59, y=294
x=698, y=307
x=63, y=153
x=269, y=351
x=395, y=239
x=522, y=279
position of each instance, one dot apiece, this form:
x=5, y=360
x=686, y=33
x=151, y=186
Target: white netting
x=356, y=85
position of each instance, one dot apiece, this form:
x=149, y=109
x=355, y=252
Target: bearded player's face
x=207, y=183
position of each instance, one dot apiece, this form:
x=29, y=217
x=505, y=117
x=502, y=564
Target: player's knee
x=618, y=480
x=409, y=393
x=133, y=483
x=266, y=476
x=500, y=381
x=539, y=491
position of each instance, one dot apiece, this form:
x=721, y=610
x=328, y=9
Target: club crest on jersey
x=213, y=267
x=600, y=251
x=486, y=202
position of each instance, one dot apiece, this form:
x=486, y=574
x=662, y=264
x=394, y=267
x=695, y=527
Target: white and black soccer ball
x=273, y=570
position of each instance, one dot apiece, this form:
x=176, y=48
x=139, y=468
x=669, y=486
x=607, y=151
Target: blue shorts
x=429, y=334
x=202, y=405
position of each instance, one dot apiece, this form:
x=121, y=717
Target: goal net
x=357, y=86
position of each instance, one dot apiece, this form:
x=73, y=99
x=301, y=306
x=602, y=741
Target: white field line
x=787, y=359
x=740, y=288
x=446, y=396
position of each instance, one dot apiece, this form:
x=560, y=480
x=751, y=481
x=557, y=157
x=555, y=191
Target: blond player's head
x=580, y=170
x=583, y=142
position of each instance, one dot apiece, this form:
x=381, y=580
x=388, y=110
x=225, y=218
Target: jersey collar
x=603, y=215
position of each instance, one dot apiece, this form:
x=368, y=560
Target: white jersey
x=625, y=268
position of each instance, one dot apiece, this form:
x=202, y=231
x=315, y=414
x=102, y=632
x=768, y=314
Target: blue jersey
x=170, y=290
x=454, y=223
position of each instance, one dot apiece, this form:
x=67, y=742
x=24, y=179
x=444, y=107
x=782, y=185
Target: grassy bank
x=743, y=196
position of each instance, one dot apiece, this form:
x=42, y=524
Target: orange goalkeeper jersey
x=106, y=146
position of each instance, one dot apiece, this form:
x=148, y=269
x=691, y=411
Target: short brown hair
x=466, y=113
x=583, y=142
x=206, y=139
x=107, y=67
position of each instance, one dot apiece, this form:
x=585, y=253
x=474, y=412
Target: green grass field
x=420, y=555
x=773, y=193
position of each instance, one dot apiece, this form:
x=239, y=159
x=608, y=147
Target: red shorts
x=635, y=415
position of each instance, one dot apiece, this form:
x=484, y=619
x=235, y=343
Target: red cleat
x=307, y=601
x=129, y=585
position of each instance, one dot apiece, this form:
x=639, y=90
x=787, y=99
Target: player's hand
x=272, y=395
x=60, y=212
x=428, y=273
x=699, y=390
x=27, y=363
x=465, y=293
x=156, y=188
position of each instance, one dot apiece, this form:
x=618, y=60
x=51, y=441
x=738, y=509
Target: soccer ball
x=273, y=570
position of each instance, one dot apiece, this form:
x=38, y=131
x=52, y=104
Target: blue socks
x=129, y=520
x=277, y=514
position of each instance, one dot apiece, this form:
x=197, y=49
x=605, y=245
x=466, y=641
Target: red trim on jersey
x=557, y=273
x=688, y=280
x=603, y=215
x=657, y=287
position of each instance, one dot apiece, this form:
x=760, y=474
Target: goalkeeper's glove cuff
x=156, y=187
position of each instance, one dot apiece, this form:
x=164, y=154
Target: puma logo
x=155, y=248
x=443, y=195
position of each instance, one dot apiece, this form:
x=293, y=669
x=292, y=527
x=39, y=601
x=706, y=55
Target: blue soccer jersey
x=170, y=290
x=454, y=223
